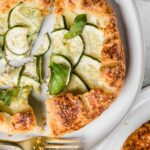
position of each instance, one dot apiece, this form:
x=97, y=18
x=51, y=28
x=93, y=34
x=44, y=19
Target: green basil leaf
x=77, y=27
x=59, y=78
x=7, y=95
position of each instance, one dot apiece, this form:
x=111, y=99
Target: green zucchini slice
x=11, y=56
x=76, y=85
x=88, y=70
x=70, y=17
x=30, y=69
x=70, y=48
x=10, y=78
x=44, y=47
x=93, y=39
x=33, y=69
x=3, y=23
x=31, y=40
x=16, y=40
x=1, y=41
x=39, y=68
x=60, y=59
x=26, y=16
x=27, y=81
x=60, y=22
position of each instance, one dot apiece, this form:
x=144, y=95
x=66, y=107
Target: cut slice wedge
x=26, y=16
x=16, y=40
x=88, y=70
x=44, y=47
x=93, y=39
x=76, y=85
x=70, y=48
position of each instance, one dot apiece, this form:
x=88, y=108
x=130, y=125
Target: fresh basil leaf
x=7, y=95
x=59, y=78
x=77, y=27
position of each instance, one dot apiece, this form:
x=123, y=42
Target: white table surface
x=144, y=12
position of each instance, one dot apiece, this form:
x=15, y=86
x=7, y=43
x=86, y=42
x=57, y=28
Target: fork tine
x=62, y=141
x=62, y=146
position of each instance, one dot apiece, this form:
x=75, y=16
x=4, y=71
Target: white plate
x=103, y=125
x=137, y=116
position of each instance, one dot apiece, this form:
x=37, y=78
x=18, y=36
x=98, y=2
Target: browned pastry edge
x=21, y=122
x=67, y=113
x=7, y=5
x=139, y=139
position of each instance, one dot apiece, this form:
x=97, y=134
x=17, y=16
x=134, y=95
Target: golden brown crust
x=140, y=139
x=23, y=121
x=113, y=73
x=67, y=113
x=7, y=5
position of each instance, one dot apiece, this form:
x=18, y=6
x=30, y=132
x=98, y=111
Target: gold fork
x=44, y=143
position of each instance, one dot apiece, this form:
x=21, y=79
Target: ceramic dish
x=94, y=132
x=137, y=116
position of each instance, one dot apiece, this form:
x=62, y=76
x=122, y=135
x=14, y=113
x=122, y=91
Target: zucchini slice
x=101, y=22
x=44, y=47
x=3, y=23
x=3, y=63
x=11, y=57
x=59, y=59
x=26, y=16
x=27, y=81
x=16, y=40
x=93, y=39
x=33, y=69
x=39, y=68
x=1, y=41
x=31, y=40
x=10, y=78
x=88, y=70
x=70, y=48
x=60, y=22
x=76, y=85
x=70, y=17
x=30, y=69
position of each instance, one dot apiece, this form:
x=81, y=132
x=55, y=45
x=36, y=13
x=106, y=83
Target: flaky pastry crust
x=67, y=113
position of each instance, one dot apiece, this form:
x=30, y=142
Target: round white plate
x=131, y=33
x=138, y=115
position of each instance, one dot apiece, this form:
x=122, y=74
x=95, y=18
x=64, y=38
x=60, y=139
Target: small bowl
x=136, y=117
